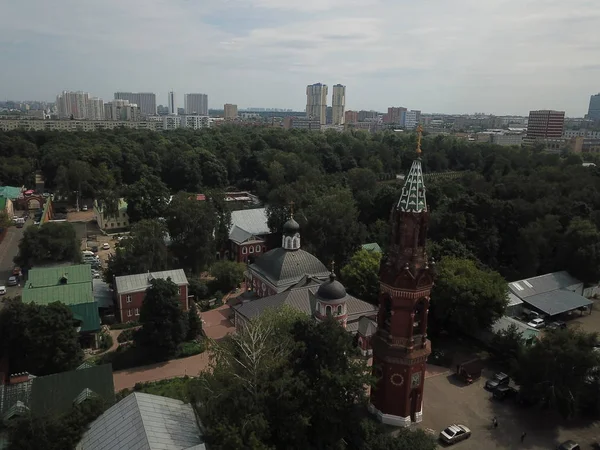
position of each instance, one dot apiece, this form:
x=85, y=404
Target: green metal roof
x=88, y=314
x=10, y=192
x=413, y=191
x=81, y=273
x=2, y=203
x=372, y=247
x=55, y=394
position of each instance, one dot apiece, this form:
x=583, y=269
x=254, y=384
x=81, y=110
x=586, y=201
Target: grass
x=176, y=388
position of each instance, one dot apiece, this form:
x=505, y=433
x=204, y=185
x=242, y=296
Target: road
x=9, y=248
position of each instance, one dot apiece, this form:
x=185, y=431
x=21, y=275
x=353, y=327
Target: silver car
x=455, y=433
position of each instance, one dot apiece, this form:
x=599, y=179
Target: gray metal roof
x=366, y=326
x=237, y=235
x=144, y=422
x=513, y=300
x=283, y=267
x=504, y=322
x=545, y=283
x=102, y=293
x=141, y=281
x=557, y=302
x=253, y=221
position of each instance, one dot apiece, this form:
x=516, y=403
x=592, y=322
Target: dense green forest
x=518, y=211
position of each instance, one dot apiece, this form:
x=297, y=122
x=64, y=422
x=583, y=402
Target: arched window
x=328, y=310
x=251, y=249
x=258, y=249
x=339, y=310
x=244, y=250
x=296, y=243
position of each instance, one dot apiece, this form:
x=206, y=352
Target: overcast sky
x=453, y=56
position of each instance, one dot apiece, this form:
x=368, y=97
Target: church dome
x=291, y=226
x=282, y=267
x=331, y=290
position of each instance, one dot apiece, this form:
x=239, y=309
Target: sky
x=447, y=56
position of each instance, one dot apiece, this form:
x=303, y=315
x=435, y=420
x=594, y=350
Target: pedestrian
x=495, y=422
x=523, y=436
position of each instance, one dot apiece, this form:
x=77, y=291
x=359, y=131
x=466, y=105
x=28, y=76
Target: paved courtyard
x=216, y=323
x=447, y=401
x=9, y=248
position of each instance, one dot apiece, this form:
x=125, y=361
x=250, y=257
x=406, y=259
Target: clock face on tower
x=415, y=380
x=397, y=379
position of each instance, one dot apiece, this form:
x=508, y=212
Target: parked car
x=2, y=290
x=12, y=281
x=106, y=246
x=502, y=392
x=499, y=379
x=558, y=325
x=84, y=208
x=95, y=274
x=95, y=249
x=537, y=323
x=569, y=445
x=455, y=433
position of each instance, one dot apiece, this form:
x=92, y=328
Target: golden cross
x=292, y=209
x=419, y=133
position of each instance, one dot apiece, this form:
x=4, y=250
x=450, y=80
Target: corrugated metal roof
x=366, y=326
x=238, y=235
x=88, y=314
x=10, y=192
x=102, y=293
x=513, y=300
x=283, y=267
x=141, y=281
x=505, y=322
x=253, y=221
x=144, y=422
x=545, y=283
x=557, y=302
x=69, y=294
x=80, y=273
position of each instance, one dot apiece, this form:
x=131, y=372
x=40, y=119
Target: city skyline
x=506, y=57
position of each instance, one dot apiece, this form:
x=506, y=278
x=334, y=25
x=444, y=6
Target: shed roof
x=50, y=276
x=10, y=192
x=144, y=422
x=544, y=283
x=141, y=281
x=253, y=221
x=557, y=302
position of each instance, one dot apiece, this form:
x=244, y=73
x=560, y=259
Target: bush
x=106, y=341
x=126, y=335
x=199, y=289
x=191, y=348
x=176, y=388
x=124, y=325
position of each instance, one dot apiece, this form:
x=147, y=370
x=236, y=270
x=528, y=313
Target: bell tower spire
x=400, y=346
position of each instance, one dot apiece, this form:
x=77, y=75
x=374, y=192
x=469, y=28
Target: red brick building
x=130, y=291
x=400, y=345
x=248, y=235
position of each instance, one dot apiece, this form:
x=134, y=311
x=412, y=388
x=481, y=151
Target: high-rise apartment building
x=172, y=105
x=338, y=104
x=594, y=109
x=146, y=101
x=395, y=115
x=95, y=109
x=316, y=102
x=196, y=104
x=231, y=111
x=544, y=124
x=351, y=117
x=122, y=110
x=411, y=119
x=72, y=105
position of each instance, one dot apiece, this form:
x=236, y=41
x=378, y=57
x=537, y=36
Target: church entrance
x=415, y=403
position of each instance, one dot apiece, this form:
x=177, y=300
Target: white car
x=84, y=208
x=455, y=433
x=106, y=246
x=537, y=323
x=2, y=290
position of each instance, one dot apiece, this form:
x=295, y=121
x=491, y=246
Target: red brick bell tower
x=400, y=346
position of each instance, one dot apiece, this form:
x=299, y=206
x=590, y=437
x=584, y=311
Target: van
x=87, y=253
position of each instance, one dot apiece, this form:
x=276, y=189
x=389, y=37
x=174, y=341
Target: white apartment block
x=72, y=105
x=95, y=109
x=78, y=125
x=146, y=101
x=196, y=104
x=338, y=104
x=121, y=110
x=171, y=122
x=411, y=120
x=316, y=102
x=195, y=122
x=581, y=133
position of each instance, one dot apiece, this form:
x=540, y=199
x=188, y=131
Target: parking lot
x=448, y=400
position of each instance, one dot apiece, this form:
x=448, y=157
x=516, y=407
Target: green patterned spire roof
x=413, y=191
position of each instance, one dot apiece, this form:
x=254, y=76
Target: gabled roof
x=412, y=198
x=10, y=192
x=51, y=276
x=141, y=281
x=144, y=422
x=55, y=394
x=557, y=302
x=69, y=294
x=240, y=236
x=544, y=283
x=253, y=221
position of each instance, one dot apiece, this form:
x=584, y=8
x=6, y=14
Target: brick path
x=216, y=323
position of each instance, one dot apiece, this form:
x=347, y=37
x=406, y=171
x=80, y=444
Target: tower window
x=339, y=310
x=328, y=310
x=387, y=313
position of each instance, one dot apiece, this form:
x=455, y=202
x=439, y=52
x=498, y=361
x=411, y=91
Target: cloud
x=505, y=56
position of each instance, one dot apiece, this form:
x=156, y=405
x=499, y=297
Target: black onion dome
x=291, y=226
x=331, y=290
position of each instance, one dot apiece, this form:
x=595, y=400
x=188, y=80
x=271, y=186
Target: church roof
x=413, y=191
x=282, y=267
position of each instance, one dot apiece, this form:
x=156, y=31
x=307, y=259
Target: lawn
x=173, y=388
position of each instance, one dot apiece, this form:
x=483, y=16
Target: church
x=395, y=332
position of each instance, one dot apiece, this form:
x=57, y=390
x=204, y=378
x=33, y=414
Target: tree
x=361, y=275
x=557, y=368
x=146, y=198
x=466, y=298
x=50, y=242
x=39, y=339
x=162, y=319
x=509, y=345
x=5, y=221
x=144, y=250
x=371, y=435
x=194, y=328
x=283, y=381
x=580, y=250
x=191, y=225
x=228, y=274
